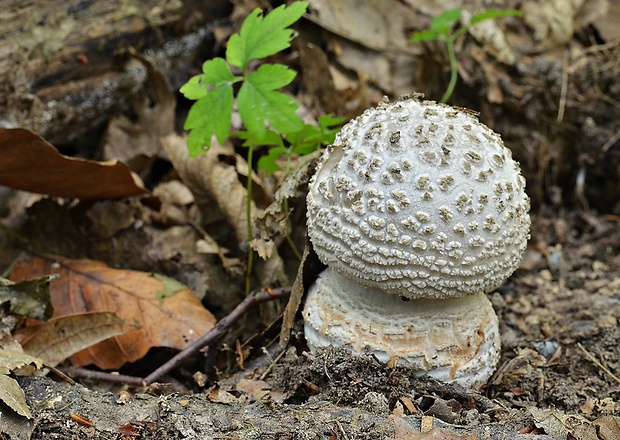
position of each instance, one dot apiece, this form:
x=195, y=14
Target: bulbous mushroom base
x=451, y=340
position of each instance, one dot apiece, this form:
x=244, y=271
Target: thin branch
x=83, y=373
x=257, y=297
x=597, y=363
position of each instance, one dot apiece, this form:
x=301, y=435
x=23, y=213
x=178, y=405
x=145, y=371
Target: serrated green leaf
x=193, y=89
x=327, y=121
x=268, y=163
x=208, y=116
x=427, y=35
x=258, y=101
x=446, y=20
x=270, y=138
x=494, y=13
x=262, y=36
x=216, y=73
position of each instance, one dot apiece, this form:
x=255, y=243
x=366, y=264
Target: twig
x=564, y=89
x=257, y=297
x=597, y=363
x=83, y=373
x=275, y=361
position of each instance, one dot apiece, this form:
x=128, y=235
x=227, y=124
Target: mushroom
x=448, y=339
x=420, y=201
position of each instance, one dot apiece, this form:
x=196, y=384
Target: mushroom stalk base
x=451, y=340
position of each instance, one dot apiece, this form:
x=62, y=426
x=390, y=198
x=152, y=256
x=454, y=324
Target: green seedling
x=447, y=27
x=269, y=116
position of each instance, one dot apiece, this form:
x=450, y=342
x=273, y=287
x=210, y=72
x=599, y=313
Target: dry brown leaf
x=214, y=182
x=308, y=270
x=60, y=338
x=137, y=142
x=608, y=427
x=272, y=223
x=13, y=396
x=406, y=431
x=86, y=286
x=32, y=164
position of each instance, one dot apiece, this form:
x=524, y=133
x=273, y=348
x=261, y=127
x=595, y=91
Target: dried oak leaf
x=84, y=286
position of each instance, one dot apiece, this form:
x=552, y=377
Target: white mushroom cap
x=454, y=339
x=420, y=200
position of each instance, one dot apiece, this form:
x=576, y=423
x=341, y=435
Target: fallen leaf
x=61, y=338
x=12, y=360
x=608, y=427
x=87, y=286
x=29, y=298
x=32, y=164
x=213, y=181
x=308, y=270
x=137, y=143
x=551, y=420
x=272, y=223
x=12, y=394
x=10, y=391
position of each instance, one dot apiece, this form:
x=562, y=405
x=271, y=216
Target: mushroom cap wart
x=451, y=340
x=420, y=200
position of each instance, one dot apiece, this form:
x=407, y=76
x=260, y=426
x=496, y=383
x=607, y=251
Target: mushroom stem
x=452, y=340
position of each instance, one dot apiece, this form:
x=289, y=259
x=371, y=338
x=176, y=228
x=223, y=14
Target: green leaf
x=209, y=115
x=258, y=101
x=327, y=121
x=262, y=36
x=268, y=163
x=427, y=35
x=494, y=13
x=446, y=20
x=216, y=73
x=270, y=138
x=193, y=89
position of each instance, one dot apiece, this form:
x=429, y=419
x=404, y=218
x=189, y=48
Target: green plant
x=443, y=27
x=269, y=116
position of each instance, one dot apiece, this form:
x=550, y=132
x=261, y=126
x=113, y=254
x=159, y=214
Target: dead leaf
x=254, y=389
x=61, y=338
x=345, y=97
x=10, y=391
x=272, y=223
x=12, y=394
x=154, y=105
x=86, y=286
x=213, y=181
x=552, y=22
x=608, y=427
x=12, y=360
x=29, y=298
x=407, y=431
x=308, y=270
x=32, y=164
x=375, y=25
x=551, y=420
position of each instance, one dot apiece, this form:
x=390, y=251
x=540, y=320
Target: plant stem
x=453, y=69
x=250, y=223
